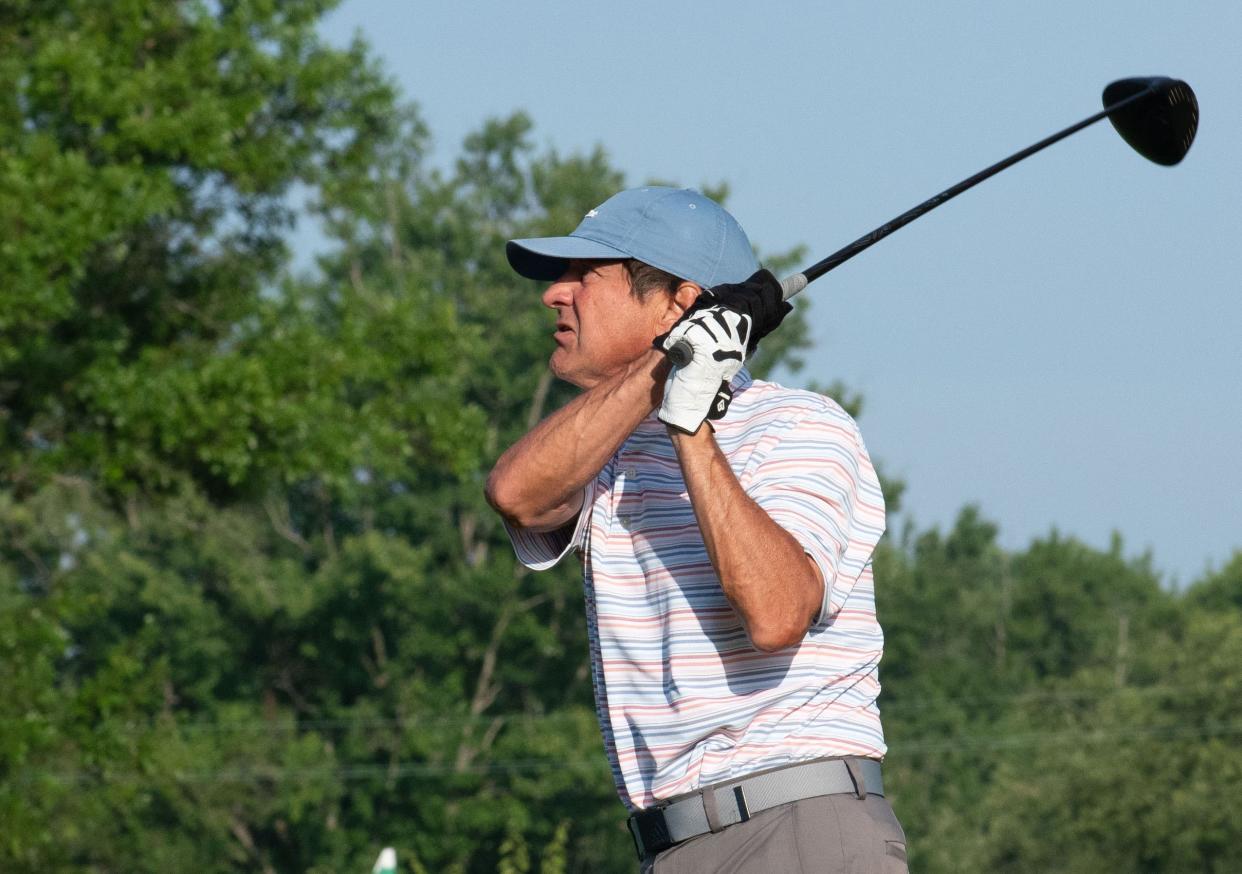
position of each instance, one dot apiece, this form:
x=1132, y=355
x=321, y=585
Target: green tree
x=173, y=425
x=148, y=152
x=1221, y=590
x=1137, y=778
x=983, y=648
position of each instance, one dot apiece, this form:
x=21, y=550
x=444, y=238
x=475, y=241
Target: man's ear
x=683, y=298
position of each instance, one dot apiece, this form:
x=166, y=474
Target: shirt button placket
x=628, y=499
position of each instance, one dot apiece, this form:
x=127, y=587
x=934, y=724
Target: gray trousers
x=833, y=834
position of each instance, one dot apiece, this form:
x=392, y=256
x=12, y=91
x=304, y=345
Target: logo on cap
x=593, y=213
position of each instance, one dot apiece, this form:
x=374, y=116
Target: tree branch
x=284, y=527
x=241, y=832
x=540, y=399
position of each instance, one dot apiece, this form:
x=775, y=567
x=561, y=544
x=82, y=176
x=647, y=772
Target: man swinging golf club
x=727, y=566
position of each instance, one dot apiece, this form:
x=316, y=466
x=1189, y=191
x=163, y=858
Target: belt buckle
x=657, y=828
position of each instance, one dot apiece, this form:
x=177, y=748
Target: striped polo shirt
x=684, y=700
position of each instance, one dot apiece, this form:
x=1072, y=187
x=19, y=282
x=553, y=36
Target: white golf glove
x=718, y=338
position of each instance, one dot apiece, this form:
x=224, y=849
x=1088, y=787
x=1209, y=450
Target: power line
x=267, y=773
x=293, y=726
x=1049, y=695
x=1025, y=740
x=501, y=767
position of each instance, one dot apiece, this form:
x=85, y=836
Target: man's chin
x=567, y=374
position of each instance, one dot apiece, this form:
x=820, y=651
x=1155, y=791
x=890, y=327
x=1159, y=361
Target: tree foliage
x=148, y=155
x=254, y=613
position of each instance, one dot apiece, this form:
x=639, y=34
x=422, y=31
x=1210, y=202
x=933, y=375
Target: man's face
x=600, y=326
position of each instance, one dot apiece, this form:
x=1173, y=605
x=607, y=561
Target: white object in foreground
x=386, y=863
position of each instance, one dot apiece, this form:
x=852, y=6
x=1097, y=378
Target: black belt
x=723, y=804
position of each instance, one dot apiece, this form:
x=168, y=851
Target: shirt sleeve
x=540, y=550
x=815, y=479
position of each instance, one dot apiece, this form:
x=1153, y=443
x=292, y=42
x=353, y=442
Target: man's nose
x=559, y=293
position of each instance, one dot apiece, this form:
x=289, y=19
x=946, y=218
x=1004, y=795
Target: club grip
x=791, y=285
x=683, y=351
x=680, y=354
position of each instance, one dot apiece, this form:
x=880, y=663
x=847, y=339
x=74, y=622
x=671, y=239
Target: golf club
x=1156, y=115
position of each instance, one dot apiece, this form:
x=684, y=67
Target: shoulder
x=775, y=426
x=772, y=405
x=803, y=437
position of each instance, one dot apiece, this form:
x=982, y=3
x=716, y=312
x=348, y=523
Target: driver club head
x=1160, y=126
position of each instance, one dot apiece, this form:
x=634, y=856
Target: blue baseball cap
x=677, y=230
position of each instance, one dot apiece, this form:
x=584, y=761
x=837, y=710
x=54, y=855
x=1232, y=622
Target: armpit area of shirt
x=540, y=550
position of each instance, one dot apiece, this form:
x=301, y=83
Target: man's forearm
x=537, y=483
x=771, y=582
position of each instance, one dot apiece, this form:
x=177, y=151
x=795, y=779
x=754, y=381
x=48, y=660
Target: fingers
x=717, y=337
x=711, y=331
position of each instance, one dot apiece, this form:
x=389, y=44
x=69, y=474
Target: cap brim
x=545, y=258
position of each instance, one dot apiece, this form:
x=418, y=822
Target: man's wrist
x=650, y=370
x=700, y=439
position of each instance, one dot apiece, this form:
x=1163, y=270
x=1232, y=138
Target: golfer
x=725, y=526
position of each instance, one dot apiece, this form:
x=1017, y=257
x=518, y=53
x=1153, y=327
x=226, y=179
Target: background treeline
x=254, y=614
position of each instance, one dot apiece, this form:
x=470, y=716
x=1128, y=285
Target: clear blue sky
x=1060, y=345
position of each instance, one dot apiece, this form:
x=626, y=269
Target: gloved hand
x=719, y=337
x=759, y=297
x=760, y=302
